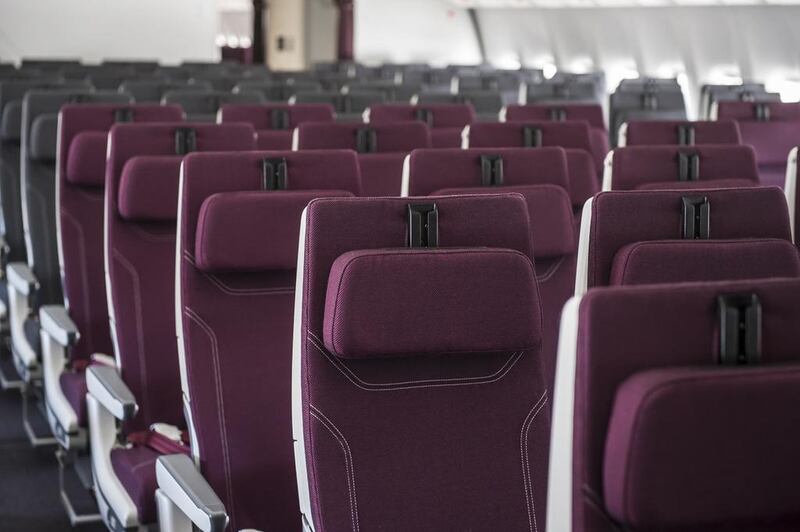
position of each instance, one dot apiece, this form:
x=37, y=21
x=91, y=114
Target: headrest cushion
x=148, y=189
x=43, y=136
x=550, y=214
x=673, y=261
x=11, y=121
x=86, y=159
x=704, y=435
x=405, y=302
x=253, y=230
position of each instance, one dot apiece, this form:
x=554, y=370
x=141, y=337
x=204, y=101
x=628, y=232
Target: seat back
x=528, y=135
x=141, y=209
x=81, y=177
x=561, y=91
x=202, y=106
x=541, y=177
x=745, y=111
x=238, y=288
x=38, y=154
x=435, y=116
x=681, y=133
x=631, y=105
x=674, y=167
x=556, y=112
x=655, y=385
x=459, y=405
x=670, y=236
x=152, y=90
x=278, y=91
x=790, y=189
x=275, y=123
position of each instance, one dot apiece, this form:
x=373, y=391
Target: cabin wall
x=92, y=30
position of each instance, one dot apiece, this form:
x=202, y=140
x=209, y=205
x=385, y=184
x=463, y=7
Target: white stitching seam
x=527, y=479
x=238, y=291
x=220, y=404
x=410, y=385
x=348, y=460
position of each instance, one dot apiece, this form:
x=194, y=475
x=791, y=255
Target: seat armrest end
x=181, y=482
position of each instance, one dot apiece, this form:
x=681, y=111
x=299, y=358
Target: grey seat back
x=38, y=189
x=202, y=106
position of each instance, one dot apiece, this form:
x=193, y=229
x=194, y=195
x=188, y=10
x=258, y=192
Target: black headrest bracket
x=366, y=140
x=696, y=212
x=740, y=329
x=279, y=119
x=423, y=225
x=686, y=135
x=762, y=112
x=424, y=115
x=123, y=114
x=558, y=114
x=491, y=170
x=185, y=140
x=688, y=166
x=531, y=137
x=275, y=174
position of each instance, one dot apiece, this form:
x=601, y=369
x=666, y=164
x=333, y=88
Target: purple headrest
x=227, y=221
x=86, y=160
x=432, y=170
x=557, y=112
x=772, y=140
x=386, y=138
x=437, y=116
x=674, y=261
x=512, y=135
x=726, y=460
x=272, y=116
x=148, y=189
x=626, y=217
x=668, y=132
x=391, y=303
x=748, y=111
x=582, y=176
x=659, y=167
x=550, y=213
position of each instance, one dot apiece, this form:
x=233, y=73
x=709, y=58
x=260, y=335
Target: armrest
x=55, y=321
x=105, y=385
x=179, y=479
x=21, y=277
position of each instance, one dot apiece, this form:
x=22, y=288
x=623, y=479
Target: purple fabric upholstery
x=390, y=138
x=733, y=458
x=463, y=438
x=587, y=112
x=446, y=137
x=136, y=470
x=141, y=259
x=237, y=332
x=655, y=133
x=677, y=261
x=658, y=167
x=381, y=173
x=746, y=111
x=374, y=297
x=453, y=116
x=225, y=217
x=148, y=188
x=73, y=386
x=508, y=135
x=81, y=183
x=772, y=141
x=621, y=218
x=671, y=327
x=541, y=177
x=583, y=182
x=260, y=116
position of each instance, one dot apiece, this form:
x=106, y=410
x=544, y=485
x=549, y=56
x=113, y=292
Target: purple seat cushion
x=86, y=161
x=230, y=224
x=657, y=167
x=675, y=261
x=625, y=217
x=655, y=133
x=381, y=173
x=437, y=169
x=148, y=188
x=446, y=137
x=746, y=111
x=270, y=139
x=391, y=138
x=550, y=214
x=588, y=112
x=583, y=181
x=378, y=304
x=73, y=386
x=260, y=116
x=690, y=447
x=443, y=116
x=136, y=470
x=510, y=135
